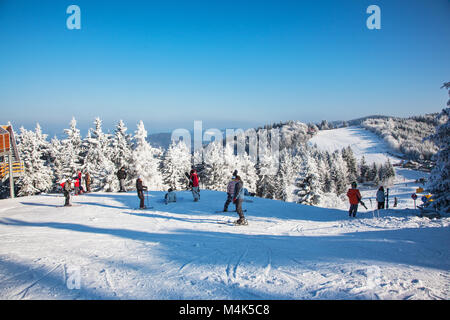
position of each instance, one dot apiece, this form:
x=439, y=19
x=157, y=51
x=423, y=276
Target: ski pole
x=147, y=197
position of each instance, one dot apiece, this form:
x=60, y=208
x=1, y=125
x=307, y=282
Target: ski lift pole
x=11, y=177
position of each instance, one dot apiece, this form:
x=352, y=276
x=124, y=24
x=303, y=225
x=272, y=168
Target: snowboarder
x=140, y=188
x=381, y=198
x=238, y=199
x=67, y=188
x=87, y=181
x=170, y=196
x=195, y=186
x=354, y=197
x=230, y=193
x=122, y=175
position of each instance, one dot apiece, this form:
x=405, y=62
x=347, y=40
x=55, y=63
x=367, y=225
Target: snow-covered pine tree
x=439, y=181
x=386, y=172
x=57, y=161
x=44, y=145
x=339, y=173
x=363, y=170
x=71, y=157
x=121, y=146
x=266, y=185
x=372, y=174
x=350, y=160
x=308, y=181
x=146, y=160
x=247, y=172
x=267, y=168
x=176, y=161
x=286, y=176
x=218, y=167
x=98, y=159
x=327, y=185
x=37, y=176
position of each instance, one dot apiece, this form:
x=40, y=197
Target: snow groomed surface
x=102, y=249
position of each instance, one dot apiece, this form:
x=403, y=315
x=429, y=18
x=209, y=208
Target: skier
x=79, y=175
x=140, y=188
x=87, y=181
x=238, y=199
x=381, y=198
x=67, y=187
x=122, y=175
x=230, y=193
x=195, y=186
x=76, y=186
x=354, y=197
x=170, y=196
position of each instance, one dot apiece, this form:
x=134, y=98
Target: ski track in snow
x=183, y=251
x=298, y=252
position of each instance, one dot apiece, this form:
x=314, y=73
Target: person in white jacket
x=170, y=196
x=230, y=193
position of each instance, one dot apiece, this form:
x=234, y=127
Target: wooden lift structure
x=9, y=155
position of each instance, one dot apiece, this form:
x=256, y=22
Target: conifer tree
x=146, y=160
x=37, y=176
x=177, y=160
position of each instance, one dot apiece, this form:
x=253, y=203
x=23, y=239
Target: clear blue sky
x=228, y=63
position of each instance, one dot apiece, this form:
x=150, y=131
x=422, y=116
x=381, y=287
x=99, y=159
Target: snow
x=180, y=251
x=363, y=143
x=103, y=248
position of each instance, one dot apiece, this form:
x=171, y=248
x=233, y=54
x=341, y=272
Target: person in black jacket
x=122, y=175
x=140, y=188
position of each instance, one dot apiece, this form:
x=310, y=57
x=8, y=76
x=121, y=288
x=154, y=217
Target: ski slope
x=363, y=143
x=102, y=248
x=374, y=149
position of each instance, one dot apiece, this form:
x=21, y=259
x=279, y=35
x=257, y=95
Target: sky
x=230, y=64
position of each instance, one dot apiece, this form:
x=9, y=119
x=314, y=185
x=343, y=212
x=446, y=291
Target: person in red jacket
x=354, y=197
x=195, y=185
x=77, y=187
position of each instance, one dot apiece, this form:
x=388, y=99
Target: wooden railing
x=4, y=169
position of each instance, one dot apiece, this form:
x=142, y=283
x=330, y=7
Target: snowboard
x=230, y=211
x=233, y=223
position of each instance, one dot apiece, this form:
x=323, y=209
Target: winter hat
x=140, y=177
x=354, y=185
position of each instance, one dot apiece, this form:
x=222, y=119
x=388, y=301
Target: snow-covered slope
x=182, y=251
x=363, y=143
